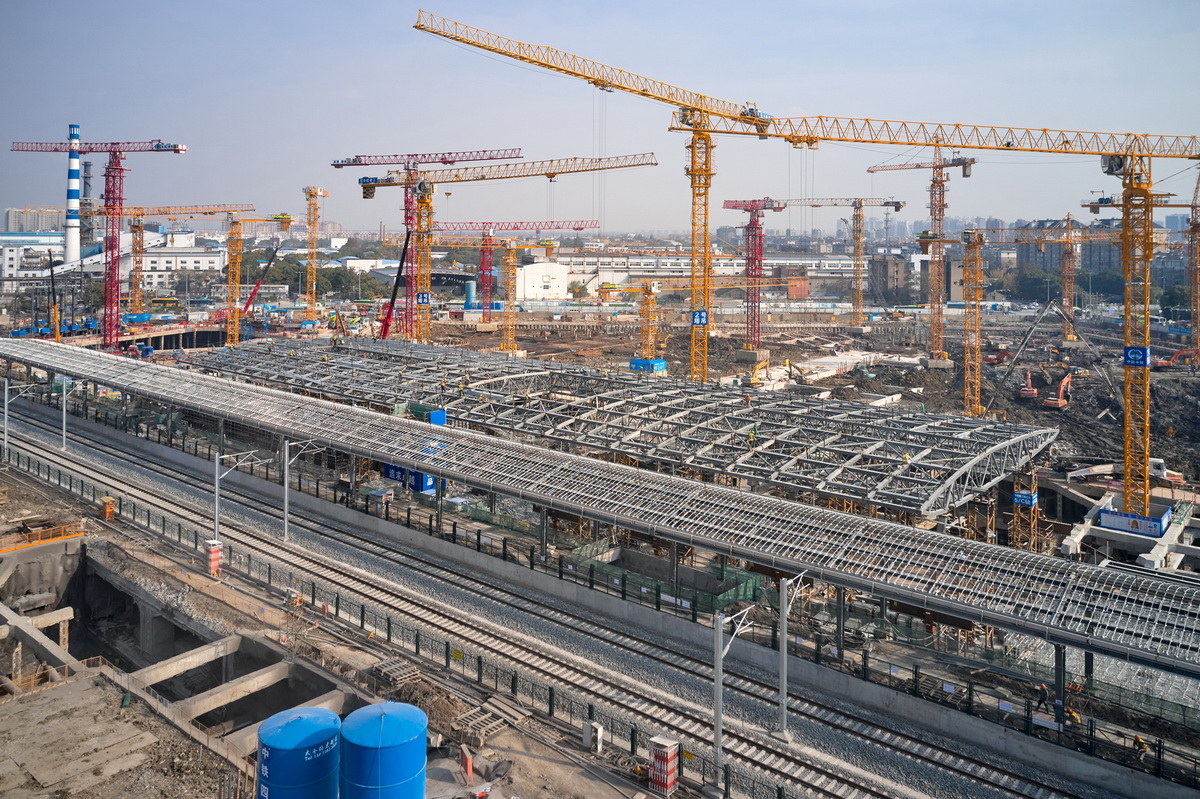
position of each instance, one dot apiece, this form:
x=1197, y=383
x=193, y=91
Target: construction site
x=710, y=520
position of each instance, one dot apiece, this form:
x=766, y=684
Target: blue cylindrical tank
x=298, y=754
x=469, y=301
x=383, y=752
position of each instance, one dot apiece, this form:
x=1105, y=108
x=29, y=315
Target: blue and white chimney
x=71, y=233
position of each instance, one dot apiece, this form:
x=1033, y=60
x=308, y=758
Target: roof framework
x=920, y=463
x=1139, y=618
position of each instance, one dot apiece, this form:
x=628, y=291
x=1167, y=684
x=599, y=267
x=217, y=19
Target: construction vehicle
x=998, y=357
x=754, y=381
x=1178, y=358
x=1162, y=476
x=1059, y=398
x=1028, y=392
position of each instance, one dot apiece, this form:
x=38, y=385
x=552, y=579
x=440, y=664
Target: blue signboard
x=423, y=298
x=1026, y=499
x=1137, y=356
x=397, y=473
x=699, y=318
x=1149, y=526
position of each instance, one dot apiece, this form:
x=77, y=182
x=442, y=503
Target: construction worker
x=1140, y=747
x=1043, y=697
x=1072, y=717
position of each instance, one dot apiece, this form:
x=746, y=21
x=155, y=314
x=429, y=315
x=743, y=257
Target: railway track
x=770, y=758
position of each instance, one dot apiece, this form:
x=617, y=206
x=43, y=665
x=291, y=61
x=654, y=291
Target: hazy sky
x=265, y=94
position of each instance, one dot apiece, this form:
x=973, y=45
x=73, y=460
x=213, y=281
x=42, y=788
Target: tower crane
x=411, y=162
x=113, y=197
x=858, y=235
x=754, y=262
x=487, y=230
x=1124, y=155
x=508, y=274
x=312, y=199
x=1193, y=264
x=233, y=245
x=424, y=186
x=972, y=300
x=697, y=109
x=137, y=216
x=648, y=305
x=937, y=230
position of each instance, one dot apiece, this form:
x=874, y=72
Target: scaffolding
x=1135, y=617
x=848, y=454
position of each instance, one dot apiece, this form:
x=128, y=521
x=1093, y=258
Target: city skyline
x=277, y=96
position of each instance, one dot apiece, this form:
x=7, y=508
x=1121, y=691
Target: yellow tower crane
x=312, y=199
x=1124, y=155
x=857, y=235
x=648, y=308
x=508, y=277
x=937, y=230
x=233, y=272
x=972, y=300
x=137, y=216
x=697, y=110
x=1193, y=263
x=425, y=184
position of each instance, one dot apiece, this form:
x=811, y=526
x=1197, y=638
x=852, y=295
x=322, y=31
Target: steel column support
x=700, y=170
x=1137, y=249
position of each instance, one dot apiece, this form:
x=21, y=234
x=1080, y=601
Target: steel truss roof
x=920, y=463
x=1138, y=618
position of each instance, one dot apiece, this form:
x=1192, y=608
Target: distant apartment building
x=17, y=220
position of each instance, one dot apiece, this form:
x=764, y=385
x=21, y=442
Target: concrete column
x=841, y=622
x=1060, y=682
x=595, y=528
x=64, y=634
x=675, y=569
x=156, y=635
x=1089, y=666
x=439, y=494
x=492, y=502
x=18, y=658
x=545, y=531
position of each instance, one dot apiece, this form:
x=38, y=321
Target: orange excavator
x=1028, y=392
x=1178, y=358
x=1059, y=399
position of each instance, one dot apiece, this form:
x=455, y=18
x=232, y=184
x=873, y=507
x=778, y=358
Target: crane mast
x=411, y=162
x=425, y=187
x=233, y=272
x=312, y=199
x=137, y=227
x=113, y=197
x=936, y=239
x=508, y=279
x=858, y=236
x=1193, y=269
x=487, y=230
x=972, y=301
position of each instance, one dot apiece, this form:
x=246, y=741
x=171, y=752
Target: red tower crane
x=488, y=230
x=411, y=162
x=114, y=199
x=936, y=238
x=754, y=261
